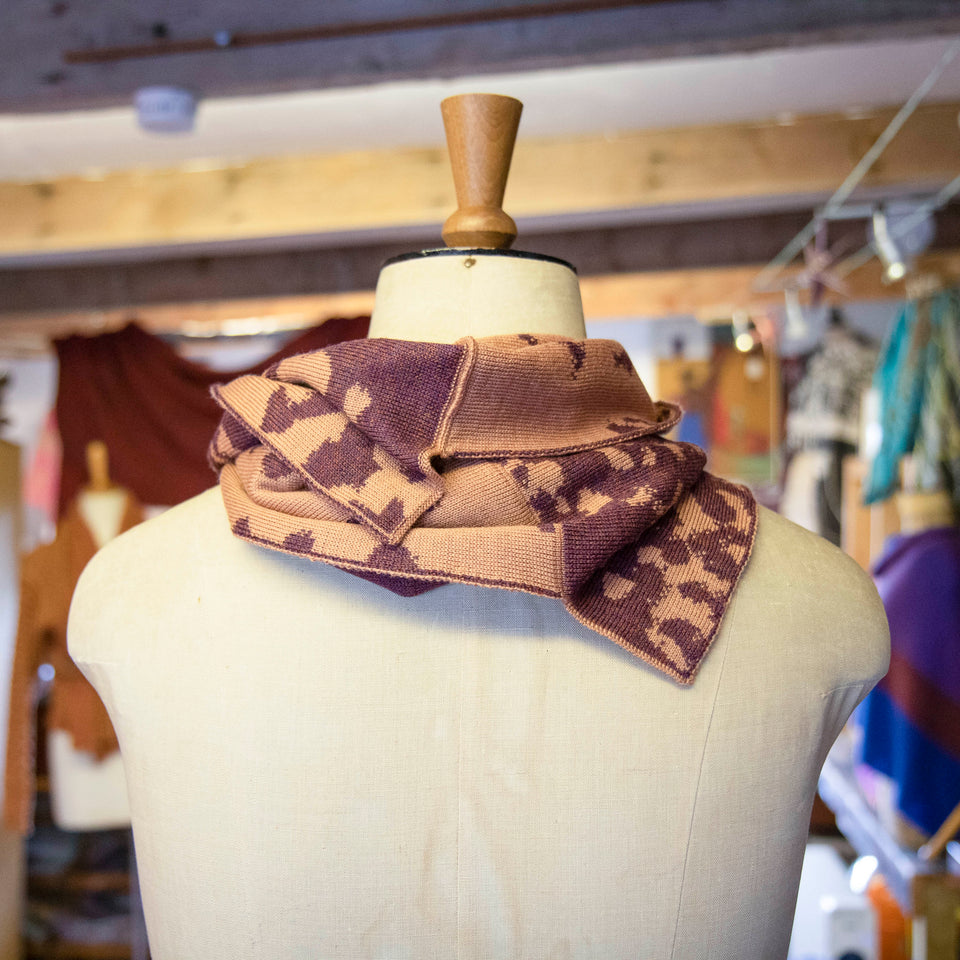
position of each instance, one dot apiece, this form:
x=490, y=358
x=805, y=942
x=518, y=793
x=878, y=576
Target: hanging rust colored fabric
x=151, y=407
x=531, y=463
x=48, y=577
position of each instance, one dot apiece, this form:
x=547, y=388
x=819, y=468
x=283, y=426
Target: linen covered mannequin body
x=319, y=768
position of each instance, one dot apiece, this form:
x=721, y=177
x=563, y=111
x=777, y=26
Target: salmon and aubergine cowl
x=533, y=463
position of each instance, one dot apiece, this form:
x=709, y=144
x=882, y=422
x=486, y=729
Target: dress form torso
x=102, y=512
x=442, y=295
x=319, y=768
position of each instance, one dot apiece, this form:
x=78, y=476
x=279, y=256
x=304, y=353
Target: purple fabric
x=918, y=578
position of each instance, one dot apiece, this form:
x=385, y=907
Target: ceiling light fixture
x=899, y=232
x=165, y=109
x=743, y=338
x=796, y=326
x=894, y=264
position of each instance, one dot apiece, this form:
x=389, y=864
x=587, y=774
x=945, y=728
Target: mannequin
x=87, y=793
x=321, y=768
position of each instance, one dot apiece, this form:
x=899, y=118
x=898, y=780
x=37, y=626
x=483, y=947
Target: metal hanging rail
x=769, y=272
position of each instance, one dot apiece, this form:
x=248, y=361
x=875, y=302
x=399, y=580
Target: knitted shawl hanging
x=531, y=463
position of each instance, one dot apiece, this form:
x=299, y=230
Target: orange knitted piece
x=48, y=577
x=525, y=462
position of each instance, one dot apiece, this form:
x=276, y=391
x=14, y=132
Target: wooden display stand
x=864, y=528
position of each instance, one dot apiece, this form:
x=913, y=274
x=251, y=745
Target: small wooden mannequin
x=101, y=501
x=87, y=793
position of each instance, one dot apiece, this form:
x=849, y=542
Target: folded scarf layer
x=531, y=463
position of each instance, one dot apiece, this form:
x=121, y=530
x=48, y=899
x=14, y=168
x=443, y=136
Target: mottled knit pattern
x=531, y=463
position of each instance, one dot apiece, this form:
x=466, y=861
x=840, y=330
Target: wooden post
x=481, y=131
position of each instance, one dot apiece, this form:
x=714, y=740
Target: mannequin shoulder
x=815, y=599
x=136, y=576
x=151, y=546
x=788, y=558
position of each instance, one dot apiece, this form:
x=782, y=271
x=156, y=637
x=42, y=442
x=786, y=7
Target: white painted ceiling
x=774, y=84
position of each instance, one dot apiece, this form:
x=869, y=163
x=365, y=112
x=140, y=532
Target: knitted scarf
x=531, y=463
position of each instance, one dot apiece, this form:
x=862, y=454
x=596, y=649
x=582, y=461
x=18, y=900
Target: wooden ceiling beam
x=345, y=195
x=645, y=248
x=709, y=294
x=35, y=37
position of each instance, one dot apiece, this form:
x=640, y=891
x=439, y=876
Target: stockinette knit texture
x=532, y=463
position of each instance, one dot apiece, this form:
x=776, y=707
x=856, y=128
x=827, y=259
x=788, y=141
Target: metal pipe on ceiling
x=225, y=40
